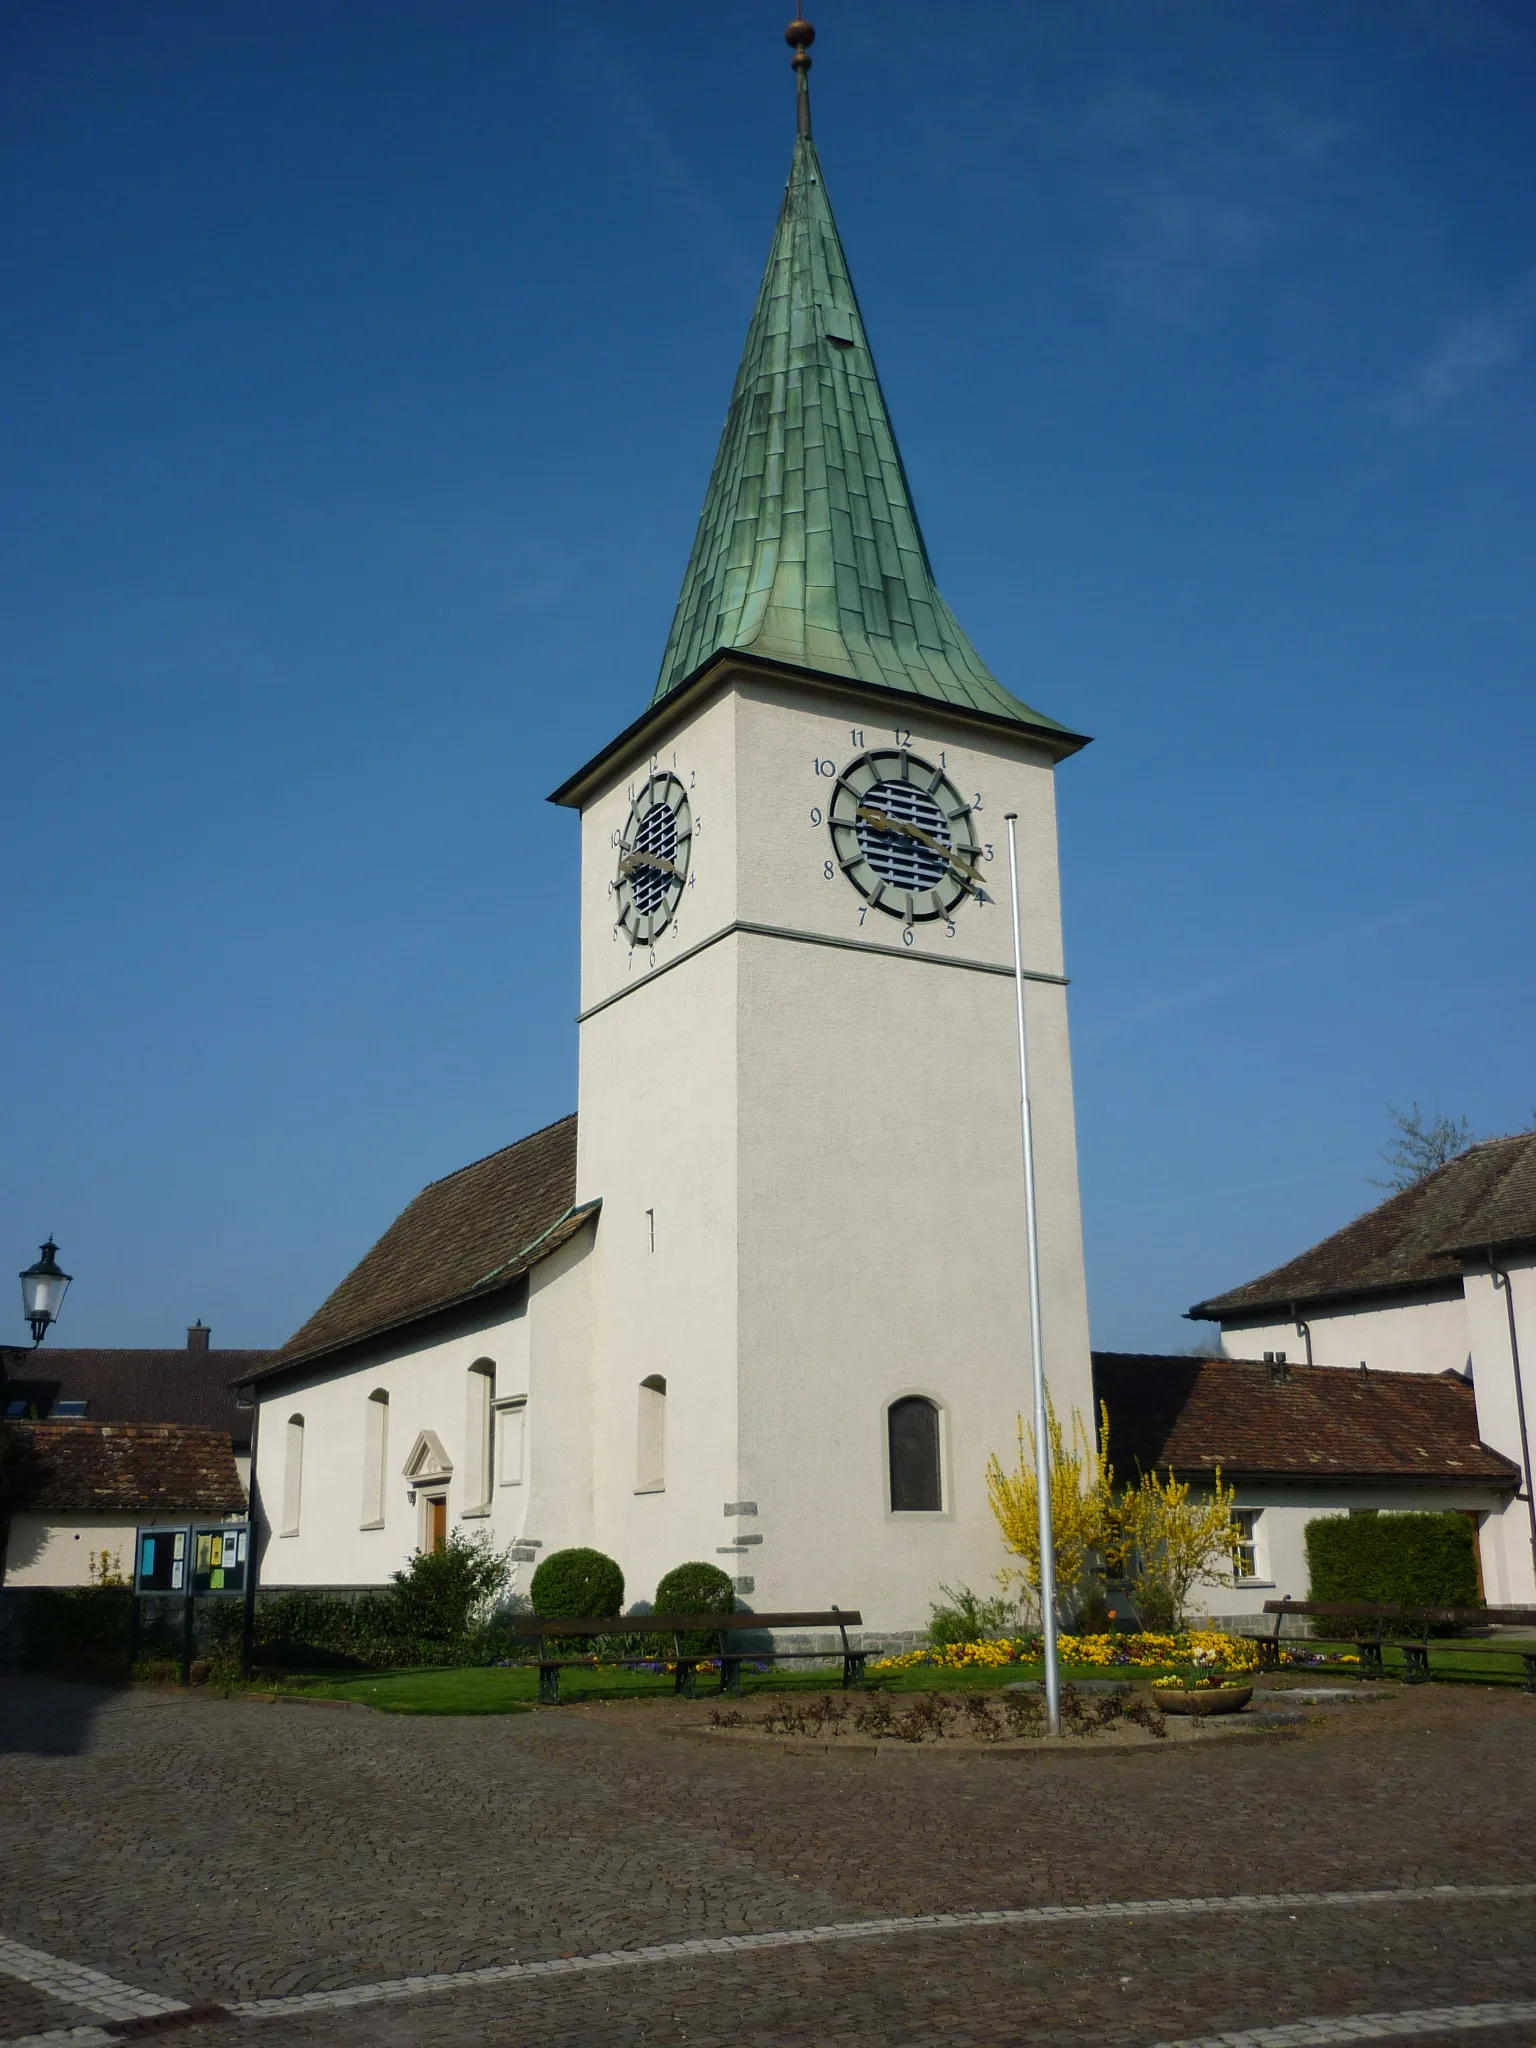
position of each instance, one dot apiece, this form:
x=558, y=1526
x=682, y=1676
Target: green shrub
x=577, y=1582
x=1421, y=1560
x=964, y=1617
x=695, y=1589
x=79, y=1631
x=441, y=1594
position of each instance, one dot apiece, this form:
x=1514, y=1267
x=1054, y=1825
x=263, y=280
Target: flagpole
x=1036, y=1345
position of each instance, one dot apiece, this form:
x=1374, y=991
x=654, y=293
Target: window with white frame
x=1245, y=1544
x=511, y=1441
x=480, y=1400
x=293, y=1476
x=651, y=1436
x=375, y=1457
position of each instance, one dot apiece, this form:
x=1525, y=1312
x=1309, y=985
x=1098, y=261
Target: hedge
x=1421, y=1560
x=577, y=1582
x=696, y=1589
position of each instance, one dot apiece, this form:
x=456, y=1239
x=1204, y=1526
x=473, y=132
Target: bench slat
x=670, y=1624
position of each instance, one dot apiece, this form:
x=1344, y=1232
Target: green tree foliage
x=1421, y=1560
x=577, y=1582
x=1422, y=1143
x=964, y=1617
x=442, y=1595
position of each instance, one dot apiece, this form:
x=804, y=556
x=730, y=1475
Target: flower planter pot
x=1211, y=1699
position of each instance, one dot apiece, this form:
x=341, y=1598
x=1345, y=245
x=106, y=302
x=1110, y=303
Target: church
x=762, y=1301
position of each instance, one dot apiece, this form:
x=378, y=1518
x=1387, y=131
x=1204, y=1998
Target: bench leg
x=853, y=1668
x=549, y=1685
x=730, y=1676
x=1415, y=1663
x=684, y=1684
x=1370, y=1660
x=1528, y=1659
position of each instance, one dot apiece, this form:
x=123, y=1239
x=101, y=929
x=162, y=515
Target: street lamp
x=43, y=1287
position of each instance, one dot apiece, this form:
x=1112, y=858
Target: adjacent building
x=1438, y=1279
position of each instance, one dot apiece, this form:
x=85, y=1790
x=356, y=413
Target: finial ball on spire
x=799, y=35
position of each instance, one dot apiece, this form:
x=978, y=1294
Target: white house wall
x=1428, y=1333
x=1281, y=1554
x=539, y=1346
x=42, y=1551
x=1498, y=1418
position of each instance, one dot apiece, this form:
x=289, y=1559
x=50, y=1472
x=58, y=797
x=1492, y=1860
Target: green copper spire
x=808, y=550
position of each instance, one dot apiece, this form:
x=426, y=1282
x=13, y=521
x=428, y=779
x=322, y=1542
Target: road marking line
x=862, y=1930
x=105, y=1996
x=76, y=1984
x=1372, y=2026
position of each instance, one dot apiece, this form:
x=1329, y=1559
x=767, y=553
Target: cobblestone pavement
x=208, y=1850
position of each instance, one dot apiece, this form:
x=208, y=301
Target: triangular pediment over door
x=429, y=1464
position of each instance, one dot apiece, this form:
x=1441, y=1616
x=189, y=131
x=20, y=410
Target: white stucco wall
x=1423, y=1333
x=539, y=1344
x=45, y=1552
x=1281, y=1534
x=828, y=1138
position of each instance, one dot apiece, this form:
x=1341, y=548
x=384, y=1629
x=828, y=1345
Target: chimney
x=1279, y=1371
x=198, y=1335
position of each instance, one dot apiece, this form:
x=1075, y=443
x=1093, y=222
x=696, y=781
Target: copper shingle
x=126, y=1468
x=463, y=1237
x=1486, y=1196
x=1304, y=1421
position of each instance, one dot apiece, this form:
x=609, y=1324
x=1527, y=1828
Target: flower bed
x=1209, y=1647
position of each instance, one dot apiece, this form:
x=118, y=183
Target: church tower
x=798, y=1083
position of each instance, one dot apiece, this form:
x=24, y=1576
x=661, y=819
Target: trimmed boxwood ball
x=696, y=1589
x=577, y=1582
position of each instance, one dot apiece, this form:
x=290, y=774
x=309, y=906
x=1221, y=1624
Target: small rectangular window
x=1245, y=1543
x=511, y=1433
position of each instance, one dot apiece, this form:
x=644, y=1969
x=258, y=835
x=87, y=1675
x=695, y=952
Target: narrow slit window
x=914, y=1456
x=478, y=1446
x=375, y=1457
x=651, y=1436
x=293, y=1476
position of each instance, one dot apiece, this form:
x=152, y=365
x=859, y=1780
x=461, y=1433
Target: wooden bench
x=1373, y=1628
x=722, y=1626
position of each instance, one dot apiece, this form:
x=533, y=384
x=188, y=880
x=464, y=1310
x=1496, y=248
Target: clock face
x=903, y=835
x=653, y=859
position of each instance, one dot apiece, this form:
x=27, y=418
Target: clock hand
x=889, y=824
x=650, y=860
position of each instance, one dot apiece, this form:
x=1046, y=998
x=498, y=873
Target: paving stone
x=197, y=1849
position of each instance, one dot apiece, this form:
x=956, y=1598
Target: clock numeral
x=828, y=768
x=903, y=736
x=943, y=758
x=976, y=801
x=986, y=853
x=949, y=928
x=906, y=937
x=826, y=869
x=856, y=735
x=863, y=912
x=693, y=778
x=815, y=815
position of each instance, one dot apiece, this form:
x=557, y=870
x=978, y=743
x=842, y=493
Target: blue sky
x=364, y=367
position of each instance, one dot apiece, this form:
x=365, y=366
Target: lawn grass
x=476, y=1689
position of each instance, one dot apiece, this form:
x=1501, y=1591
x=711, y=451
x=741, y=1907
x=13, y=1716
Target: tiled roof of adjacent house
x=126, y=1468
x=1299, y=1421
x=463, y=1237
x=1486, y=1196
x=808, y=549
x=181, y=1385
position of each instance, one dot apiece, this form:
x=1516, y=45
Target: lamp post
x=43, y=1287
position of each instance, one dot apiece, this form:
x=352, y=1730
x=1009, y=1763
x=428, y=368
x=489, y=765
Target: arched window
x=293, y=1476
x=914, y=1447
x=651, y=1436
x=375, y=1453
x=477, y=1437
